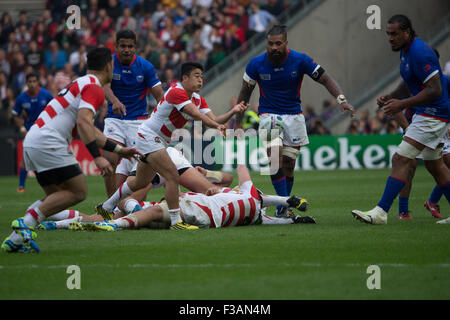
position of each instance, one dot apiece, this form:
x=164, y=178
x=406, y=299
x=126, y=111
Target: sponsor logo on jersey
x=26, y=105
x=265, y=76
x=140, y=78
x=157, y=140
x=116, y=76
x=294, y=74
x=126, y=71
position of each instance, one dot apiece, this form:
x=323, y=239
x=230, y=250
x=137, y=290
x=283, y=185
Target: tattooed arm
x=333, y=88
x=244, y=96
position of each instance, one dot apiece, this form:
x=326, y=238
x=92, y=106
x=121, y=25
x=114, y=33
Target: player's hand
x=240, y=107
x=349, y=107
x=393, y=106
x=119, y=109
x=130, y=153
x=104, y=166
x=212, y=191
x=201, y=170
x=222, y=129
x=383, y=99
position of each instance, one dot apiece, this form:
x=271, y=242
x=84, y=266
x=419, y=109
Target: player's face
x=276, y=47
x=126, y=48
x=396, y=36
x=195, y=80
x=32, y=84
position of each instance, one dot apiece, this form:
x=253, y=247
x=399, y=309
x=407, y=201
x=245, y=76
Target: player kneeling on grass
x=46, y=145
x=227, y=208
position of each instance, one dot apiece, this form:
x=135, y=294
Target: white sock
x=273, y=220
x=34, y=204
x=65, y=214
x=64, y=224
x=33, y=217
x=130, y=221
x=122, y=192
x=174, y=216
x=269, y=201
x=14, y=237
x=130, y=204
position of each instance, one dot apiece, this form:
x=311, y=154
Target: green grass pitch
x=328, y=260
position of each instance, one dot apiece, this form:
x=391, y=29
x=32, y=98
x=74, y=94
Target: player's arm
x=237, y=109
x=431, y=91
x=192, y=111
x=19, y=122
x=157, y=92
x=401, y=120
x=117, y=106
x=244, y=96
x=333, y=88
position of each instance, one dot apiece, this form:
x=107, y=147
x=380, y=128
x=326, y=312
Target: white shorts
x=427, y=131
x=123, y=131
x=149, y=141
x=40, y=160
x=446, y=145
x=175, y=155
x=125, y=166
x=294, y=133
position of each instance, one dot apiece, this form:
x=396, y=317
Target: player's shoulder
x=176, y=93
x=144, y=63
x=45, y=92
x=420, y=48
x=258, y=59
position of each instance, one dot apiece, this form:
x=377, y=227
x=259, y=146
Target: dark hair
x=126, y=34
x=404, y=23
x=277, y=30
x=32, y=75
x=437, y=53
x=187, y=67
x=98, y=58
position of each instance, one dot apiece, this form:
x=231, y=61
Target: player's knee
x=406, y=150
x=79, y=195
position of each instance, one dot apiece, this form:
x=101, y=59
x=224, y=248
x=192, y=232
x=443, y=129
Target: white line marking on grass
x=228, y=265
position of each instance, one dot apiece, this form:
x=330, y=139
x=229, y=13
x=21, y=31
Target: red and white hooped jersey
x=56, y=125
x=227, y=208
x=168, y=115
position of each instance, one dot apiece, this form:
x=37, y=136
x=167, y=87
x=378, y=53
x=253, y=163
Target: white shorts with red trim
x=294, y=133
x=446, y=145
x=149, y=141
x=427, y=131
x=44, y=159
x=123, y=131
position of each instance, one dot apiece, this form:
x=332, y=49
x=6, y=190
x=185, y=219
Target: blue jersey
x=130, y=85
x=280, y=85
x=418, y=64
x=32, y=105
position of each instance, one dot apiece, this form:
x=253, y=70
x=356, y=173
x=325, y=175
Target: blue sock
x=289, y=184
x=279, y=184
x=391, y=191
x=445, y=189
x=435, y=195
x=403, y=204
x=22, y=177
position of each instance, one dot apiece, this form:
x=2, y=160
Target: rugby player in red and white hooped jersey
x=180, y=104
x=230, y=207
x=46, y=149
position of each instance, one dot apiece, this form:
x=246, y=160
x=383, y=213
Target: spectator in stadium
x=29, y=104
x=114, y=11
x=126, y=21
x=354, y=128
x=23, y=20
x=274, y=7
x=55, y=58
x=41, y=35
x=260, y=20
x=4, y=63
x=34, y=57
x=261, y=70
x=7, y=27
x=318, y=128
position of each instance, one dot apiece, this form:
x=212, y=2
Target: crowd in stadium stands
x=169, y=32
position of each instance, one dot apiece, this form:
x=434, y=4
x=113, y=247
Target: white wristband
x=117, y=148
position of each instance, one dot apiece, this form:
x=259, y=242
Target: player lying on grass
x=230, y=207
x=194, y=179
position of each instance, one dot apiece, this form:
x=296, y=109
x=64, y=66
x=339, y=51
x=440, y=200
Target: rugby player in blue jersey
x=133, y=78
x=29, y=104
x=279, y=74
x=422, y=78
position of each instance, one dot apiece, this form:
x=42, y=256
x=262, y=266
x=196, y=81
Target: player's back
x=56, y=125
